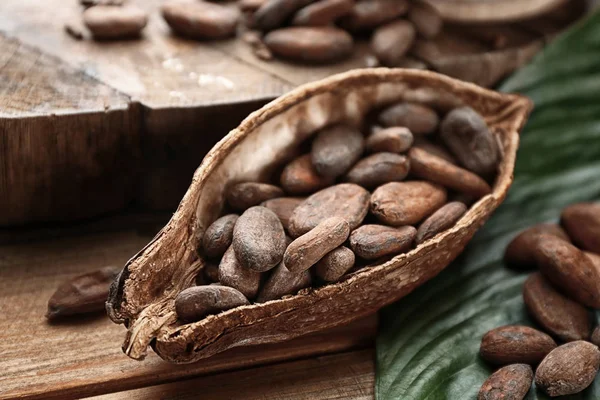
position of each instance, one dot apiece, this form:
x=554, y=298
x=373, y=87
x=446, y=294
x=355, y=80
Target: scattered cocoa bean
x=283, y=282
x=425, y=18
x=391, y=42
x=435, y=149
x=377, y=169
x=394, y=140
x=439, y=221
x=582, y=223
x=406, y=203
x=375, y=241
x=273, y=13
x=283, y=207
x=515, y=344
x=335, y=264
x=569, y=269
x=114, y=22
x=82, y=294
x=596, y=336
x=368, y=14
x=200, y=19
x=196, y=302
x=248, y=194
x=419, y=119
x=568, y=369
x=508, y=383
x=519, y=252
x=299, y=177
x=259, y=239
x=323, y=12
x=557, y=314
x=346, y=200
x=235, y=275
x=308, y=249
x=218, y=236
x=335, y=149
x=318, y=45
x=468, y=137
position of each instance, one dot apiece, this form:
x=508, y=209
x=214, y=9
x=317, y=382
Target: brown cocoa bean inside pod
x=596, y=336
x=248, y=194
x=282, y=282
x=346, y=200
x=194, y=303
x=210, y=273
x=115, y=22
x=406, y=203
x=375, y=241
x=435, y=149
x=568, y=369
x=426, y=166
x=515, y=344
x=569, y=269
x=300, y=177
x=82, y=294
x=426, y=19
x=582, y=223
x=317, y=45
x=508, y=383
x=274, y=13
x=259, y=239
x=335, y=264
x=369, y=14
x=335, y=150
x=520, y=251
x=391, y=42
x=378, y=169
x=444, y=218
x=556, y=313
x=308, y=249
x=235, y=275
x=200, y=19
x=283, y=207
x=419, y=119
x=218, y=236
x=394, y=140
x=469, y=138
x=323, y=12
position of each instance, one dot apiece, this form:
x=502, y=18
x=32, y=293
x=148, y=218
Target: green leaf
x=428, y=343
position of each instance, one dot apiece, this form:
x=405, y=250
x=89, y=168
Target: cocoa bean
x=520, y=251
x=250, y=5
x=556, y=313
x=336, y=149
x=419, y=119
x=300, y=177
x=283, y=207
x=218, y=236
x=316, y=45
x=468, y=137
x=200, y=19
x=346, y=200
x=378, y=169
x=410, y=63
x=209, y=274
x=391, y=42
x=259, y=239
x=323, y=12
x=335, y=264
x=439, y=221
x=248, y=194
x=368, y=14
x=595, y=258
x=283, y=282
x=515, y=344
x=375, y=241
x=394, y=140
x=308, y=249
x=196, y=302
x=274, y=13
x=508, y=383
x=114, y=22
x=406, y=203
x=596, y=336
x=233, y=274
x=435, y=149
x=425, y=18
x=582, y=223
x=568, y=369
x=569, y=269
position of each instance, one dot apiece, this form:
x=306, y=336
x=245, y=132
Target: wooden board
x=84, y=358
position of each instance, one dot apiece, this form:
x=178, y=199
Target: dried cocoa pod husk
x=145, y=291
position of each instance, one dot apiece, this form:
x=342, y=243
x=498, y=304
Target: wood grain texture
x=335, y=377
x=84, y=358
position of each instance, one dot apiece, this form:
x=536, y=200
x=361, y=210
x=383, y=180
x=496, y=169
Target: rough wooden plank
x=341, y=376
x=80, y=359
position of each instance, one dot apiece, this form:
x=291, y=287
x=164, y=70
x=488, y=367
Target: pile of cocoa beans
x=558, y=297
x=358, y=195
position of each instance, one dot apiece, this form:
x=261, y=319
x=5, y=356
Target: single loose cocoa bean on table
x=200, y=19
x=335, y=149
x=322, y=12
x=259, y=239
x=368, y=14
x=283, y=282
x=114, y=22
x=274, y=13
x=283, y=207
x=419, y=119
x=194, y=303
x=375, y=241
x=515, y=344
x=444, y=218
x=582, y=223
x=218, y=236
x=391, y=42
x=520, y=251
x=247, y=194
x=425, y=18
x=396, y=139
x=335, y=264
x=508, y=383
x=377, y=169
x=235, y=275
x=300, y=177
